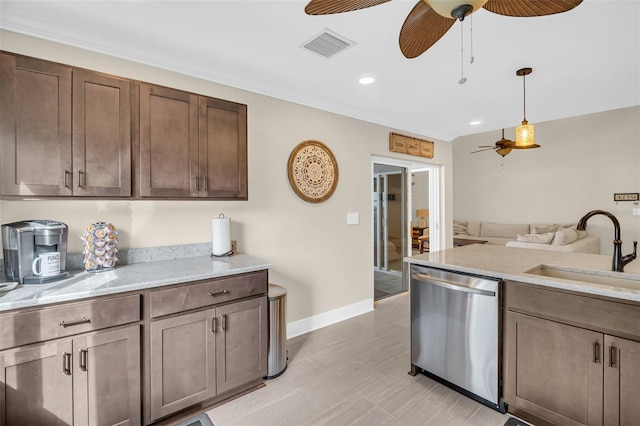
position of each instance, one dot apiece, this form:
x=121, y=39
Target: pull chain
x=462, y=77
x=471, y=41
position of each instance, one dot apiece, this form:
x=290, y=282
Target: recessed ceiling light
x=366, y=80
x=475, y=123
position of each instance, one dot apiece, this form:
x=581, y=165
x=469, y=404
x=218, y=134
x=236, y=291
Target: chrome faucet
x=618, y=259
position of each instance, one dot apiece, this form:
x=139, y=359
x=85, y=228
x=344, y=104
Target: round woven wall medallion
x=313, y=171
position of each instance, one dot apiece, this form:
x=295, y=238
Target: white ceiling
x=584, y=61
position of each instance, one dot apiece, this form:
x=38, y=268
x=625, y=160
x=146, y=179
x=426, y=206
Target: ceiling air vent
x=328, y=43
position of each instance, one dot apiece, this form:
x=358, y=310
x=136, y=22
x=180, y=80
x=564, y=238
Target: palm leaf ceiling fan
x=429, y=20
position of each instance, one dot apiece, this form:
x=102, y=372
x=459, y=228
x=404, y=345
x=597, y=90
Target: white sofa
x=540, y=236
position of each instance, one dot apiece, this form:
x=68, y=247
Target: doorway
x=406, y=197
x=389, y=230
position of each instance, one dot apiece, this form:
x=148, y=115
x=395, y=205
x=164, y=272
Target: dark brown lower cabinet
x=557, y=370
x=198, y=355
x=571, y=374
x=92, y=379
x=182, y=354
x=621, y=381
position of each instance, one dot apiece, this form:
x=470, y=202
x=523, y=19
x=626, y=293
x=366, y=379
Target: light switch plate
x=636, y=211
x=353, y=218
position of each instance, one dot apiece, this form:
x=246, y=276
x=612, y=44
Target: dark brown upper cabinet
x=101, y=135
x=35, y=120
x=191, y=146
x=168, y=142
x=223, y=149
x=65, y=131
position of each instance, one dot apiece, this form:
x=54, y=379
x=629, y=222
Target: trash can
x=277, y=358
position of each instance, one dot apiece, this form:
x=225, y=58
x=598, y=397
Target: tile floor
x=355, y=373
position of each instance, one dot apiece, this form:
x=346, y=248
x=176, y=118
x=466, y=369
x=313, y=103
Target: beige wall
x=582, y=162
x=323, y=263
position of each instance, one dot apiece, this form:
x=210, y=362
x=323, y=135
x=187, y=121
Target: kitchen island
x=151, y=342
x=569, y=327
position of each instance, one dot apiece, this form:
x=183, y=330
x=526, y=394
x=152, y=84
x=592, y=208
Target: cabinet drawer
x=607, y=316
x=207, y=293
x=22, y=328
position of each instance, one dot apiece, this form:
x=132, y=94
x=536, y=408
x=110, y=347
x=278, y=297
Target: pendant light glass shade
x=525, y=135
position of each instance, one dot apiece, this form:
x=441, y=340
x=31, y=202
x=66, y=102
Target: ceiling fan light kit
x=525, y=133
x=458, y=9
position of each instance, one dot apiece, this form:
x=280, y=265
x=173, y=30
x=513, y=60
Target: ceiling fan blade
x=422, y=28
x=486, y=149
x=488, y=146
x=528, y=8
x=327, y=7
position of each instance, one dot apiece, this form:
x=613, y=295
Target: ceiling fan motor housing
x=458, y=9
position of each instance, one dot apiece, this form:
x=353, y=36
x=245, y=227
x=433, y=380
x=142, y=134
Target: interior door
x=390, y=229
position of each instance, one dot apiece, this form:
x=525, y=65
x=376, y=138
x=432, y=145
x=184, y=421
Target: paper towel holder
x=226, y=231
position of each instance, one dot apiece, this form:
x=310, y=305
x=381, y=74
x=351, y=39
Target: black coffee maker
x=24, y=241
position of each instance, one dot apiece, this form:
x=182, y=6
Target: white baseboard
x=324, y=319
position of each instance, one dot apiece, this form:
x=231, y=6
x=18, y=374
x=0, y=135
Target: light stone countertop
x=511, y=263
x=132, y=277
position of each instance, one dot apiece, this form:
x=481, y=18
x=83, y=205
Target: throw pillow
x=502, y=230
x=565, y=236
x=543, y=229
x=581, y=233
x=536, y=238
x=459, y=228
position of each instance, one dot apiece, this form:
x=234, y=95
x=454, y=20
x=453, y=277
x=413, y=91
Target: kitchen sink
x=594, y=277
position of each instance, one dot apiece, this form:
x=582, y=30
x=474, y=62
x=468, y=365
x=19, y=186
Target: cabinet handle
x=197, y=183
x=596, y=352
x=204, y=178
x=223, y=322
x=82, y=177
x=66, y=363
x=612, y=356
x=216, y=293
x=213, y=325
x=66, y=324
x=67, y=176
x=83, y=359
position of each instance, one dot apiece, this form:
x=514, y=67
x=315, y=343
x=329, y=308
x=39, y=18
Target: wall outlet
x=234, y=249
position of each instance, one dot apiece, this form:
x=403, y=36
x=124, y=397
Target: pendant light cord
x=524, y=97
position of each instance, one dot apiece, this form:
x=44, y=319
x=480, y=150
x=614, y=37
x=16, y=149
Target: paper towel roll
x=221, y=234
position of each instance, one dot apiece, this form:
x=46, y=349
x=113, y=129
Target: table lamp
x=422, y=214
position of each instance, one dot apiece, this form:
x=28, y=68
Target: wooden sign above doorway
x=410, y=145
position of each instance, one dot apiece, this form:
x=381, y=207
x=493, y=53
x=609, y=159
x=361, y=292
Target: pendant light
x=525, y=133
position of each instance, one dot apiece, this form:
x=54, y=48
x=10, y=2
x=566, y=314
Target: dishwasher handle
x=450, y=285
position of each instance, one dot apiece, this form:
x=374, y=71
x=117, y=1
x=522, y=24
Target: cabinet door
x=182, y=354
x=223, y=149
x=241, y=343
x=35, y=126
x=36, y=385
x=621, y=381
x=554, y=370
x=106, y=378
x=101, y=135
x=168, y=142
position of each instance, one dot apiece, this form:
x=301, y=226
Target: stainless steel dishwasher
x=456, y=332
